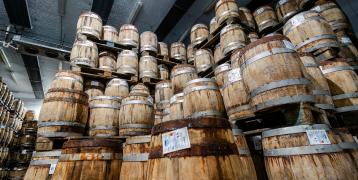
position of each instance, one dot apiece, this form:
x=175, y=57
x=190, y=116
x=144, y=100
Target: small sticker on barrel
x=317, y=137
x=234, y=75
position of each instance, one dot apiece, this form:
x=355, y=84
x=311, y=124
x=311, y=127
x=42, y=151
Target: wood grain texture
x=232, y=37
x=176, y=106
x=221, y=74
x=203, y=60
x=148, y=67
x=94, y=88
x=342, y=135
x=127, y=62
x=117, y=87
x=198, y=33
x=265, y=17
x=107, y=61
x=249, y=17
x=148, y=42
x=89, y=23
x=163, y=49
x=128, y=35
x=334, y=15
x=109, y=33
x=67, y=79
x=84, y=53
x=178, y=51
x=180, y=75
x=163, y=93
x=225, y=9
x=190, y=54
x=286, y=9
x=163, y=72
x=44, y=161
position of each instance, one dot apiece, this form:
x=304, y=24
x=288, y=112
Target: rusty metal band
x=348, y=145
x=204, y=122
x=345, y=96
x=110, y=106
x=43, y=162
x=303, y=150
x=138, y=139
x=47, y=154
x=325, y=106
x=69, y=78
x=91, y=156
x=141, y=126
x=136, y=157
x=207, y=149
x=346, y=109
x=335, y=69
x=136, y=102
x=127, y=69
x=321, y=92
x=294, y=130
x=315, y=38
x=60, y=123
x=285, y=100
x=207, y=113
x=238, y=108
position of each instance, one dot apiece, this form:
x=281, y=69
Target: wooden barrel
x=284, y=81
x=198, y=33
x=226, y=9
x=212, y=147
x=343, y=83
x=232, y=37
x=127, y=62
x=128, y=35
x=286, y=9
x=89, y=159
x=28, y=140
x=104, y=113
x=24, y=157
x=248, y=16
x=110, y=34
x=176, y=107
x=135, y=157
x=29, y=127
x=218, y=53
x=117, y=87
x=163, y=72
x=346, y=141
x=90, y=24
x=29, y=116
x=305, y=39
x=202, y=98
x=334, y=15
x=94, y=88
x=5, y=116
x=190, y=54
x=84, y=53
x=320, y=88
x=107, y=61
x=17, y=173
x=163, y=93
x=148, y=67
x=180, y=75
x=42, y=165
x=139, y=90
x=148, y=42
x=213, y=25
x=67, y=79
x=178, y=51
x=221, y=74
x=4, y=153
x=252, y=36
x=265, y=18
x=308, y=153
x=203, y=60
x=347, y=42
x=158, y=115
x=163, y=49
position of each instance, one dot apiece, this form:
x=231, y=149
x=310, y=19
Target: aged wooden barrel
x=29, y=116
x=158, y=115
x=202, y=98
x=90, y=24
x=198, y=33
x=286, y=9
x=127, y=62
x=249, y=17
x=139, y=90
x=17, y=173
x=334, y=15
x=163, y=49
x=90, y=159
x=128, y=35
x=107, y=61
x=232, y=37
x=148, y=67
x=190, y=54
x=305, y=38
x=84, y=53
x=252, y=36
x=117, y=87
x=213, y=25
x=29, y=127
x=163, y=93
x=308, y=153
x=67, y=79
x=180, y=75
x=218, y=53
x=163, y=72
x=320, y=88
x=94, y=88
x=265, y=17
x=28, y=140
x=104, y=115
x=166, y=113
x=203, y=60
x=178, y=51
x=284, y=81
x=176, y=107
x=343, y=83
x=226, y=9
x=5, y=116
x=135, y=157
x=212, y=147
x=4, y=153
x=346, y=41
x=7, y=136
x=221, y=74
x=148, y=42
x=42, y=164
x=346, y=141
x=109, y=33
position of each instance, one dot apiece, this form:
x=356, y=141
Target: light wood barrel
x=202, y=98
x=29, y=127
x=221, y=74
x=180, y=75
x=286, y=9
x=320, y=88
x=67, y=79
x=213, y=25
x=190, y=53
x=4, y=155
x=291, y=145
x=163, y=72
x=40, y=164
x=343, y=83
x=148, y=42
x=110, y=34
x=104, y=114
x=163, y=93
x=211, y=149
x=218, y=53
x=226, y=9
x=249, y=17
x=128, y=35
x=84, y=53
x=284, y=81
x=94, y=88
x=127, y=62
x=139, y=90
x=350, y=50
x=198, y=33
x=117, y=87
x=265, y=17
x=158, y=115
x=176, y=107
x=334, y=15
x=203, y=60
x=346, y=141
x=135, y=157
x=178, y=51
x=90, y=24
x=148, y=67
x=163, y=49
x=107, y=61
x=305, y=38
x=252, y=36
x=80, y=156
x=232, y=37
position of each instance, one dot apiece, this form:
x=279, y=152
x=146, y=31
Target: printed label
x=289, y=45
x=175, y=140
x=52, y=168
x=150, y=99
x=234, y=75
x=298, y=19
x=355, y=139
x=317, y=137
x=346, y=40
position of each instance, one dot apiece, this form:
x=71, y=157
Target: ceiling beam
x=33, y=71
x=18, y=12
x=102, y=8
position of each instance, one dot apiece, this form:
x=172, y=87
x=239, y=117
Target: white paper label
x=289, y=45
x=297, y=19
x=317, y=137
x=175, y=140
x=234, y=75
x=355, y=139
x=52, y=168
x=346, y=40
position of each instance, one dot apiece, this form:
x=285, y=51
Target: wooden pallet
x=113, y=47
x=48, y=144
x=150, y=82
x=169, y=62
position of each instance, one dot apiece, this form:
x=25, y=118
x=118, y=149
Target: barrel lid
x=261, y=9
x=128, y=27
x=197, y=26
x=91, y=14
x=93, y=142
x=220, y=2
x=117, y=81
x=294, y=130
x=110, y=28
x=107, y=53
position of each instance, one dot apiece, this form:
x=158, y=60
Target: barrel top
x=67, y=90
x=200, y=80
x=261, y=9
x=163, y=84
x=230, y=27
x=128, y=53
x=128, y=27
x=91, y=14
x=109, y=28
x=197, y=26
x=107, y=53
x=117, y=81
x=92, y=142
x=176, y=44
x=138, y=139
x=294, y=130
x=175, y=97
x=220, y=2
